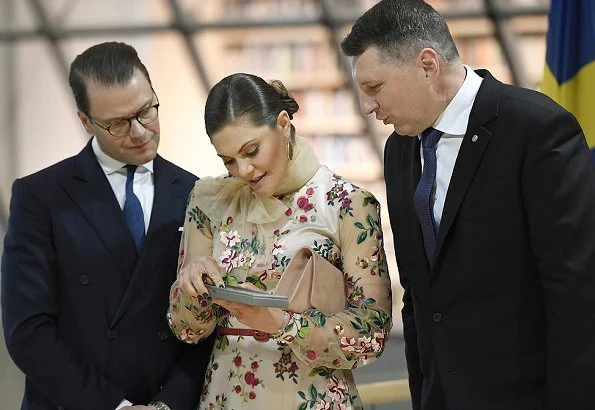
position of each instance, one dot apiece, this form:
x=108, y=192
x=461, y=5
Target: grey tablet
x=248, y=297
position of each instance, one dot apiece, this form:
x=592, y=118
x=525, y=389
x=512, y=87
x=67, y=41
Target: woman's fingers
x=191, y=279
x=196, y=273
x=250, y=286
x=213, y=272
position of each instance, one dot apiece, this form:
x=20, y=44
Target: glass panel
x=47, y=128
x=107, y=13
x=524, y=3
x=16, y=14
x=446, y=6
x=250, y=10
x=301, y=57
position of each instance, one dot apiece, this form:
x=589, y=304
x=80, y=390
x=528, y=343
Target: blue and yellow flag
x=569, y=76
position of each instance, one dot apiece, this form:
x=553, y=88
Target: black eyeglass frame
x=129, y=119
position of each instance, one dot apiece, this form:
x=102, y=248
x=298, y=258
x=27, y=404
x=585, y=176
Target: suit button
x=163, y=336
x=437, y=317
x=84, y=280
x=111, y=334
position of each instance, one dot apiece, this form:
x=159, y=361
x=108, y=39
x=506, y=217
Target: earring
x=289, y=149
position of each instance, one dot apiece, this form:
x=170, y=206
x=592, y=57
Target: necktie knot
x=130, y=169
x=430, y=137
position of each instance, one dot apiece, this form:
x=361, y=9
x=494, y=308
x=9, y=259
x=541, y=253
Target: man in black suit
x=493, y=215
x=91, y=252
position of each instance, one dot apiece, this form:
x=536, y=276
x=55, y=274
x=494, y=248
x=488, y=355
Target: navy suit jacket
x=505, y=317
x=84, y=315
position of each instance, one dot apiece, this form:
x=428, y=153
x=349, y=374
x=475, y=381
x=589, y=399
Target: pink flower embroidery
x=279, y=248
x=323, y=405
x=230, y=238
x=336, y=388
x=229, y=260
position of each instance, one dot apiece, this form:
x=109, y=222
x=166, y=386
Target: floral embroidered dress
x=308, y=366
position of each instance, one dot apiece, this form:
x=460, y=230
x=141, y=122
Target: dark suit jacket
x=505, y=318
x=84, y=316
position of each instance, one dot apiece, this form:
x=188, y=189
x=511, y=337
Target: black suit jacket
x=85, y=316
x=505, y=318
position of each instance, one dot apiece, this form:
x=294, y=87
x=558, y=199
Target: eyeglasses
x=119, y=128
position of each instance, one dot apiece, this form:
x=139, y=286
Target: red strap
x=256, y=334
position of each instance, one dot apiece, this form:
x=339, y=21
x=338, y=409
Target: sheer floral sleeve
x=357, y=335
x=192, y=318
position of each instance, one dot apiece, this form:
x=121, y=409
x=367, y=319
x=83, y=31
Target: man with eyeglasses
x=91, y=252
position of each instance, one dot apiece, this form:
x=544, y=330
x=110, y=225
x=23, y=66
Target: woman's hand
x=192, y=277
x=264, y=319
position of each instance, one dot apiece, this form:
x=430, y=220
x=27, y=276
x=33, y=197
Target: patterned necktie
x=422, y=199
x=133, y=212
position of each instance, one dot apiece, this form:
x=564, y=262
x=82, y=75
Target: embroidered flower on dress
x=336, y=388
x=323, y=405
x=230, y=238
x=229, y=260
x=279, y=248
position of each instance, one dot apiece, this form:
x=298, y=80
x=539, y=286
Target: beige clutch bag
x=310, y=281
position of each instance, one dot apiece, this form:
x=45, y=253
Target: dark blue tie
x=422, y=199
x=133, y=212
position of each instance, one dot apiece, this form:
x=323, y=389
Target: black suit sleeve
x=411, y=350
x=558, y=186
x=407, y=312
x=30, y=309
x=184, y=385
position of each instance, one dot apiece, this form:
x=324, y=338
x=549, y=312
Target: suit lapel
x=91, y=192
x=475, y=142
x=166, y=216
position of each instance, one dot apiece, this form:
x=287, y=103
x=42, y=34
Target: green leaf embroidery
x=313, y=391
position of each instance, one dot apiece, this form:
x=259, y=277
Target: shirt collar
x=111, y=165
x=454, y=119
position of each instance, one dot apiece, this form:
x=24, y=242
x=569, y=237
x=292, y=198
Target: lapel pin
x=474, y=138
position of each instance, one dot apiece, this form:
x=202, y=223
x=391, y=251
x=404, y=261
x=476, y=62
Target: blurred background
x=189, y=45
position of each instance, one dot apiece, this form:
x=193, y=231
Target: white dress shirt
x=453, y=123
x=143, y=185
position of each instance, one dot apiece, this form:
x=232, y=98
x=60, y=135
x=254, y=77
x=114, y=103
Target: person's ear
x=86, y=121
x=429, y=62
x=284, y=122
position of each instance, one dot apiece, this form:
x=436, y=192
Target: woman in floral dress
x=243, y=228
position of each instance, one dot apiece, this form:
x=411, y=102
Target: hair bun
x=289, y=103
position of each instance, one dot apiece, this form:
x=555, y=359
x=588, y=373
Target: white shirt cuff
x=124, y=403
